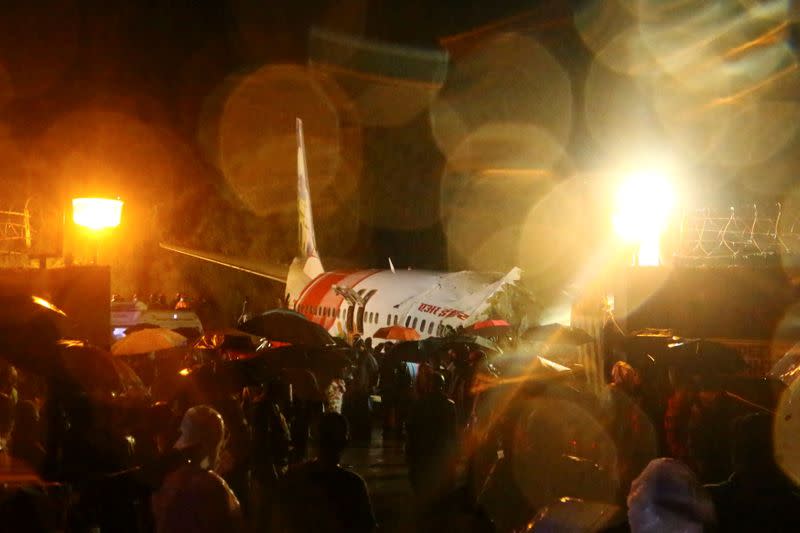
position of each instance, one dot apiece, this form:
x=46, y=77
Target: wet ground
x=382, y=464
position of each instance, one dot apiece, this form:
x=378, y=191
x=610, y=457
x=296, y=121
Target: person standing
x=431, y=443
x=320, y=495
x=356, y=401
x=271, y=446
x=194, y=498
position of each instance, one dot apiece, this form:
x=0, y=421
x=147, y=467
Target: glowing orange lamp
x=96, y=213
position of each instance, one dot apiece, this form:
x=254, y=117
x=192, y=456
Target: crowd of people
x=684, y=455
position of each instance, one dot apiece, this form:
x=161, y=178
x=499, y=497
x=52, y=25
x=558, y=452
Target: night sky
x=186, y=111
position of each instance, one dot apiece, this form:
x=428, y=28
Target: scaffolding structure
x=15, y=230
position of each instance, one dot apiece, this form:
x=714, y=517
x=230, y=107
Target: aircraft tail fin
x=307, y=265
x=305, y=223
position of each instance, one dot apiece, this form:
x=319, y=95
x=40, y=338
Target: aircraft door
x=360, y=320
x=349, y=321
x=362, y=308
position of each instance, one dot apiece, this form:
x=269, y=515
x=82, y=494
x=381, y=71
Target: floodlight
x=643, y=205
x=96, y=213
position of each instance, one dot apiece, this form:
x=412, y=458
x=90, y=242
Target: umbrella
x=698, y=356
x=94, y=371
x=412, y=351
x=419, y=351
x=283, y=325
x=226, y=339
x=489, y=328
x=294, y=362
x=27, y=323
x=557, y=334
x=19, y=307
x=473, y=343
x=147, y=340
x=396, y=333
x=704, y=357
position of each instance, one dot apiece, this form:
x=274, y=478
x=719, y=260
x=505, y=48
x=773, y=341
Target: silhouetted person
x=356, y=400
x=627, y=424
x=6, y=419
x=757, y=497
x=431, y=443
x=678, y=414
x=9, y=381
x=320, y=495
x=25, y=443
x=193, y=498
x=270, y=452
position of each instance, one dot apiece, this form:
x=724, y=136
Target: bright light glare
x=642, y=208
x=649, y=252
x=96, y=213
x=643, y=204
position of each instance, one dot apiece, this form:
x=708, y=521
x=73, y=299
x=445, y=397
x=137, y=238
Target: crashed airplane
x=346, y=302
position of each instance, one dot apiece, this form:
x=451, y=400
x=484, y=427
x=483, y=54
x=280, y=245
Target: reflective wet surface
x=382, y=464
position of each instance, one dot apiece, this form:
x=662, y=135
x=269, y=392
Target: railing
x=737, y=235
x=15, y=229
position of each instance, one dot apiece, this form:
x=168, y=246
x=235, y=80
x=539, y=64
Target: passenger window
x=430, y=329
x=395, y=319
x=414, y=324
x=422, y=326
x=388, y=320
x=408, y=320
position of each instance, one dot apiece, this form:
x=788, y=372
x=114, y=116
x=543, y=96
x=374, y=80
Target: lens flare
x=510, y=78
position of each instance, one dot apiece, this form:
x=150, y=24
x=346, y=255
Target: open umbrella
x=226, y=339
x=704, y=357
x=472, y=343
x=295, y=361
x=396, y=333
x=148, y=340
x=419, y=351
x=557, y=334
x=94, y=371
x=283, y=325
x=696, y=356
x=489, y=328
x=411, y=351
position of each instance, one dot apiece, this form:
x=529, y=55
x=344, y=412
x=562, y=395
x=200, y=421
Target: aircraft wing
x=273, y=272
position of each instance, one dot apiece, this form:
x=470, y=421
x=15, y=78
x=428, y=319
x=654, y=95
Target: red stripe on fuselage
x=320, y=293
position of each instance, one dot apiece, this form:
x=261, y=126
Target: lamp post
x=96, y=215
